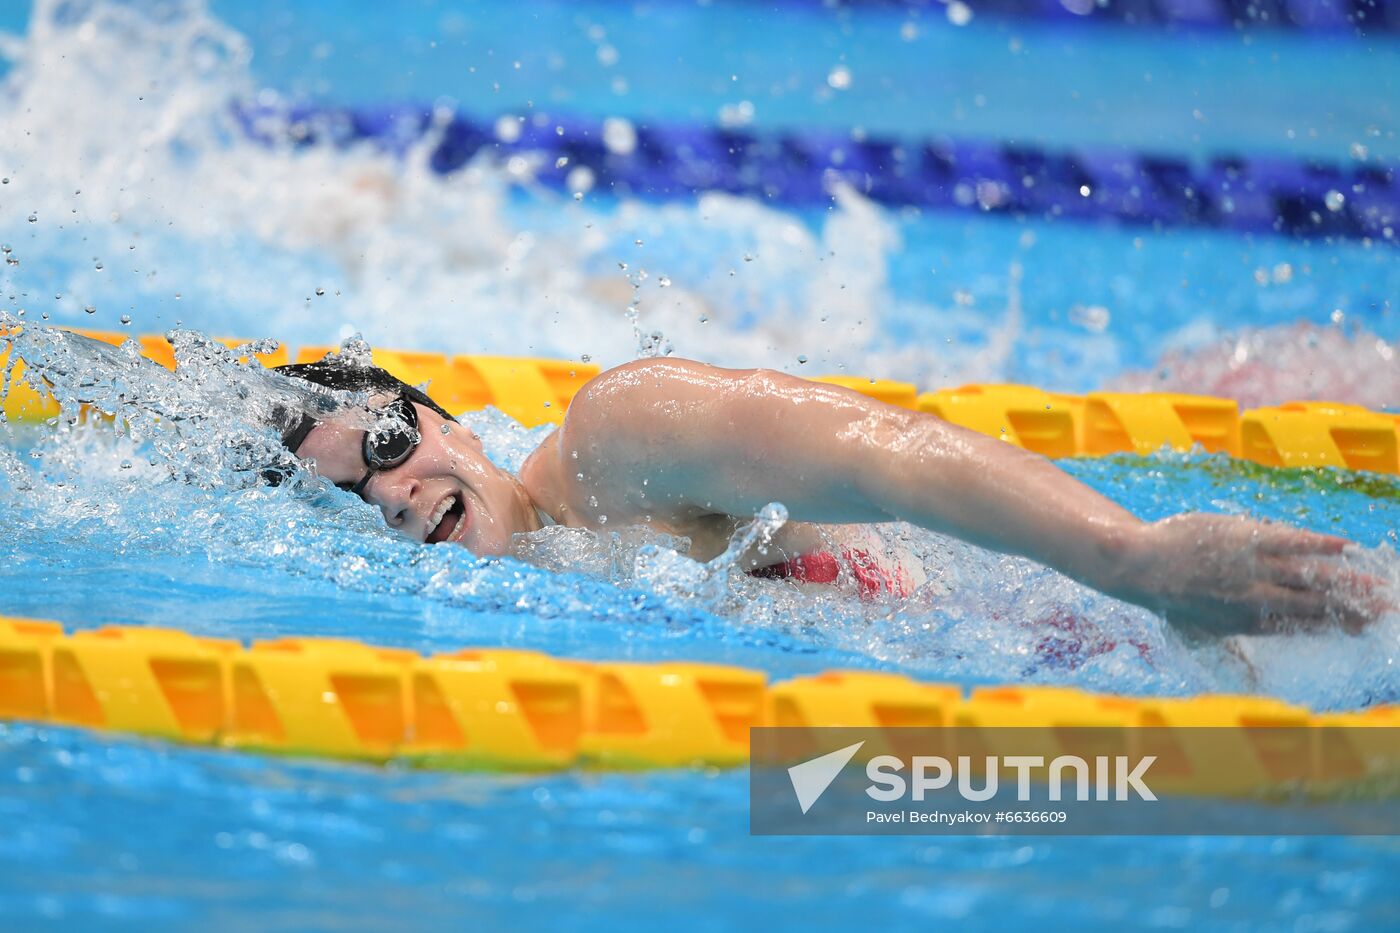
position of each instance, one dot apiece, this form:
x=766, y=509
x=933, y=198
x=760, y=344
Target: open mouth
x=448, y=521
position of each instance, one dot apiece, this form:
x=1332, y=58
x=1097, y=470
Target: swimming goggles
x=390, y=443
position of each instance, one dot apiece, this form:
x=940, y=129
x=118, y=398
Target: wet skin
x=695, y=450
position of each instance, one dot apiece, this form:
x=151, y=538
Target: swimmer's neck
x=542, y=478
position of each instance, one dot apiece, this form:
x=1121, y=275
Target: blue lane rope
x=1260, y=194
x=1361, y=17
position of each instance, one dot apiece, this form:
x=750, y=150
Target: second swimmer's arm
x=730, y=441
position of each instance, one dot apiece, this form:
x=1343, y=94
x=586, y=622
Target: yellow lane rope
x=500, y=709
x=537, y=391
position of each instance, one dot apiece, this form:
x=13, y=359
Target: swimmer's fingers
x=1355, y=598
x=1303, y=574
x=1285, y=609
x=1286, y=541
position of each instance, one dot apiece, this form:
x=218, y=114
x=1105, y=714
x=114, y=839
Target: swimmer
x=693, y=450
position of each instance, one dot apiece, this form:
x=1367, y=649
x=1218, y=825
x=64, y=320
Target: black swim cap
x=334, y=374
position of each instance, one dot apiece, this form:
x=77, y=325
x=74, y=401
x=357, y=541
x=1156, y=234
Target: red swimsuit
x=1071, y=641
x=824, y=567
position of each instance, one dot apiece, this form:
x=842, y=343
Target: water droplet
x=446, y=429
x=508, y=128
x=90, y=309
x=580, y=180
x=619, y=136
x=320, y=291
x=126, y=319
x=959, y=13
x=34, y=218
x=664, y=282
x=1334, y=200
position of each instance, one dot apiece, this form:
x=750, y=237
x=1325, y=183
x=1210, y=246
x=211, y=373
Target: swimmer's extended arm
x=730, y=441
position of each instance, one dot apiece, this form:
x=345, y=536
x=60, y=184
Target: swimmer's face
x=446, y=491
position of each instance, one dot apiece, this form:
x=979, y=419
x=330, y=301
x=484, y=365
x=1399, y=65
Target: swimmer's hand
x=1219, y=574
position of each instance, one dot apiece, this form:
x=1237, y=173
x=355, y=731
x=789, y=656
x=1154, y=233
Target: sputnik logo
x=810, y=779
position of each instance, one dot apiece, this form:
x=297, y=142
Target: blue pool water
x=119, y=144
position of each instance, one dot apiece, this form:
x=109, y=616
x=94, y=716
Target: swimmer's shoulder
x=636, y=400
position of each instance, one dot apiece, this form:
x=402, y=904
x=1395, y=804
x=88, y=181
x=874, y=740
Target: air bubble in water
x=98, y=267
x=126, y=319
x=446, y=429
x=580, y=180
x=34, y=218
x=619, y=136
x=126, y=464
x=1334, y=200
x=320, y=291
x=90, y=309
x=802, y=358
x=664, y=282
x=839, y=77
